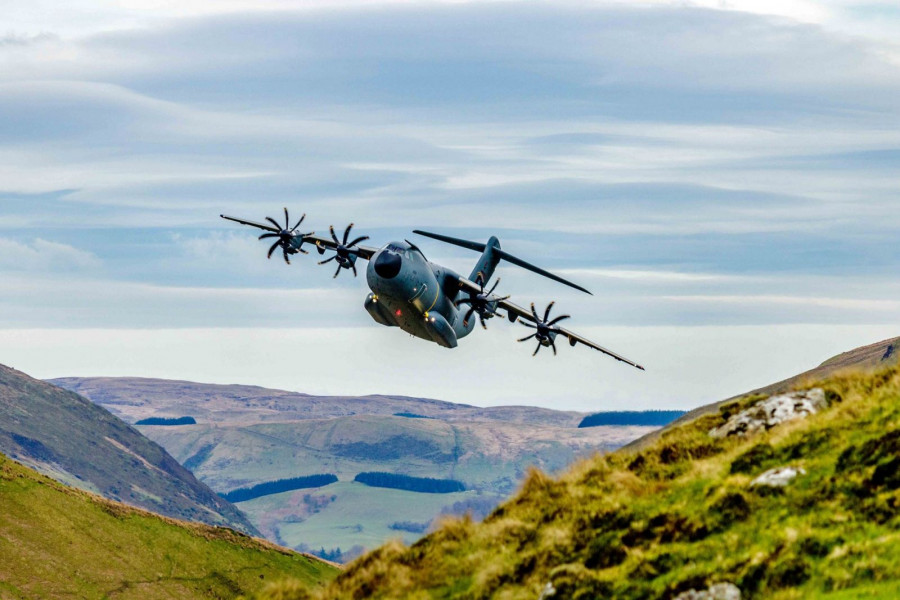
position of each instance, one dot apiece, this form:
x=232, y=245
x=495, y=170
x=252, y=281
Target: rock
x=718, y=591
x=548, y=591
x=773, y=411
x=778, y=477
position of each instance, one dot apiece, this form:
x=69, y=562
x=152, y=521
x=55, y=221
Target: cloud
x=43, y=255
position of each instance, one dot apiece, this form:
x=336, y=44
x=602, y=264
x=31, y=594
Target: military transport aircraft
x=422, y=298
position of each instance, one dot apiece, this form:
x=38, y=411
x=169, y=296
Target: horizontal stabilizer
x=478, y=247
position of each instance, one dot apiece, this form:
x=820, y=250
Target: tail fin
x=491, y=254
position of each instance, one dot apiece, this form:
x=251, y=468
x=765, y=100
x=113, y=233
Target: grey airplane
x=422, y=298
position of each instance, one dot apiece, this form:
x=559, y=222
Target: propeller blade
x=547, y=311
x=287, y=219
x=481, y=320
x=336, y=273
x=272, y=249
x=353, y=266
x=273, y=222
x=303, y=216
x=496, y=283
x=503, y=298
x=528, y=325
x=525, y=339
x=536, y=350
x=361, y=238
x=553, y=346
x=468, y=315
x=558, y=319
x=347, y=233
x=268, y=235
x=302, y=250
x=327, y=260
x=286, y=259
x=333, y=236
x=534, y=313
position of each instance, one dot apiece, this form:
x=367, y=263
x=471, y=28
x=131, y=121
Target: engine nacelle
x=440, y=330
x=378, y=311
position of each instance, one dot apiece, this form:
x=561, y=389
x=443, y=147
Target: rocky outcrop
x=773, y=411
x=718, y=591
x=778, y=477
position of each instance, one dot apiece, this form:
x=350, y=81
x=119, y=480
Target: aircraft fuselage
x=415, y=295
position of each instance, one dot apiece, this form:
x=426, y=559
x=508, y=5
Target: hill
x=872, y=356
x=247, y=436
x=57, y=541
x=791, y=496
x=73, y=440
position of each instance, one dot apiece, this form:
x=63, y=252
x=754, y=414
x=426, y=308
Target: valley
x=246, y=435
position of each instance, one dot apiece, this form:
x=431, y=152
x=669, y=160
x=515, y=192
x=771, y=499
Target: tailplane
x=491, y=255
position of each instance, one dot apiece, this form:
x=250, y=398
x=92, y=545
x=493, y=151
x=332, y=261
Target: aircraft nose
x=388, y=264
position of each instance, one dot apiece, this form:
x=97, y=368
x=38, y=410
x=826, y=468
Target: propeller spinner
x=483, y=303
x=344, y=253
x=545, y=332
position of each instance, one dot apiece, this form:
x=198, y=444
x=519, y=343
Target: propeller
x=345, y=253
x=482, y=303
x=285, y=237
x=545, y=330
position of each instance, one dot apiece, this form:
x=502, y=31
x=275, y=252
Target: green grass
x=680, y=514
x=57, y=541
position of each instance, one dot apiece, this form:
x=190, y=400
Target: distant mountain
x=792, y=497
x=73, y=440
x=60, y=542
x=246, y=436
x=136, y=398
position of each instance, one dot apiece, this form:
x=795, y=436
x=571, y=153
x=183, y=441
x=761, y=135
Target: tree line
x=167, y=421
x=631, y=417
x=427, y=485
x=279, y=485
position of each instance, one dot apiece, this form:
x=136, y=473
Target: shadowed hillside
x=803, y=505
x=60, y=542
x=71, y=439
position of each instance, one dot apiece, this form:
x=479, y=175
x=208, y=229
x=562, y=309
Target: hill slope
x=682, y=514
x=246, y=435
x=58, y=541
x=875, y=355
x=71, y=439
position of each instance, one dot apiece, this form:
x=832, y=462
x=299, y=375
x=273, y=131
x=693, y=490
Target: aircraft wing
x=514, y=311
x=321, y=241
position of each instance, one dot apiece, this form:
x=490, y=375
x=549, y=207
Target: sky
x=722, y=175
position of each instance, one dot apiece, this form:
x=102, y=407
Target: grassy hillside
x=680, y=514
x=70, y=438
x=57, y=541
x=881, y=353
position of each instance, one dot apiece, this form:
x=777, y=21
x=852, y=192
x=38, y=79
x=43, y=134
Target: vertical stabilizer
x=488, y=262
